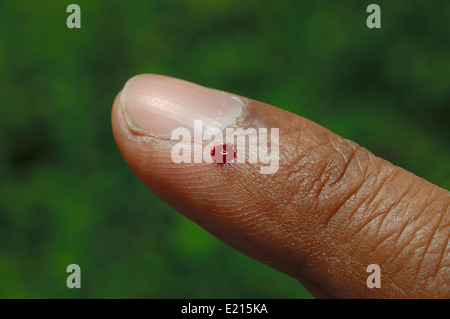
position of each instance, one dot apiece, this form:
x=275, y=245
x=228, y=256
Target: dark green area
x=66, y=194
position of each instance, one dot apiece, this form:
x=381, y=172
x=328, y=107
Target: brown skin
x=332, y=209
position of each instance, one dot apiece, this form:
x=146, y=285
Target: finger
x=322, y=210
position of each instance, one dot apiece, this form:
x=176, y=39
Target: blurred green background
x=66, y=194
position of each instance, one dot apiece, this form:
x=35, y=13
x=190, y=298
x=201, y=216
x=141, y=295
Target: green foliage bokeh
x=66, y=194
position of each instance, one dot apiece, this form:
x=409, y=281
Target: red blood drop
x=223, y=153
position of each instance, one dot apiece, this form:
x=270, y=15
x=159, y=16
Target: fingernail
x=156, y=105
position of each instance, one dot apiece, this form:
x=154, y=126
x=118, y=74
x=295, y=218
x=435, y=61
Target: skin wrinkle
x=323, y=183
x=380, y=242
x=393, y=210
x=352, y=193
x=441, y=258
x=315, y=179
x=423, y=255
x=376, y=194
x=323, y=193
x=389, y=236
x=358, y=210
x=445, y=246
x=436, y=235
x=372, y=211
x=291, y=172
x=402, y=233
x=289, y=176
x=388, y=215
x=306, y=155
x=348, y=160
x=431, y=240
x=402, y=265
x=353, y=157
x=345, y=202
x=279, y=223
x=347, y=163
